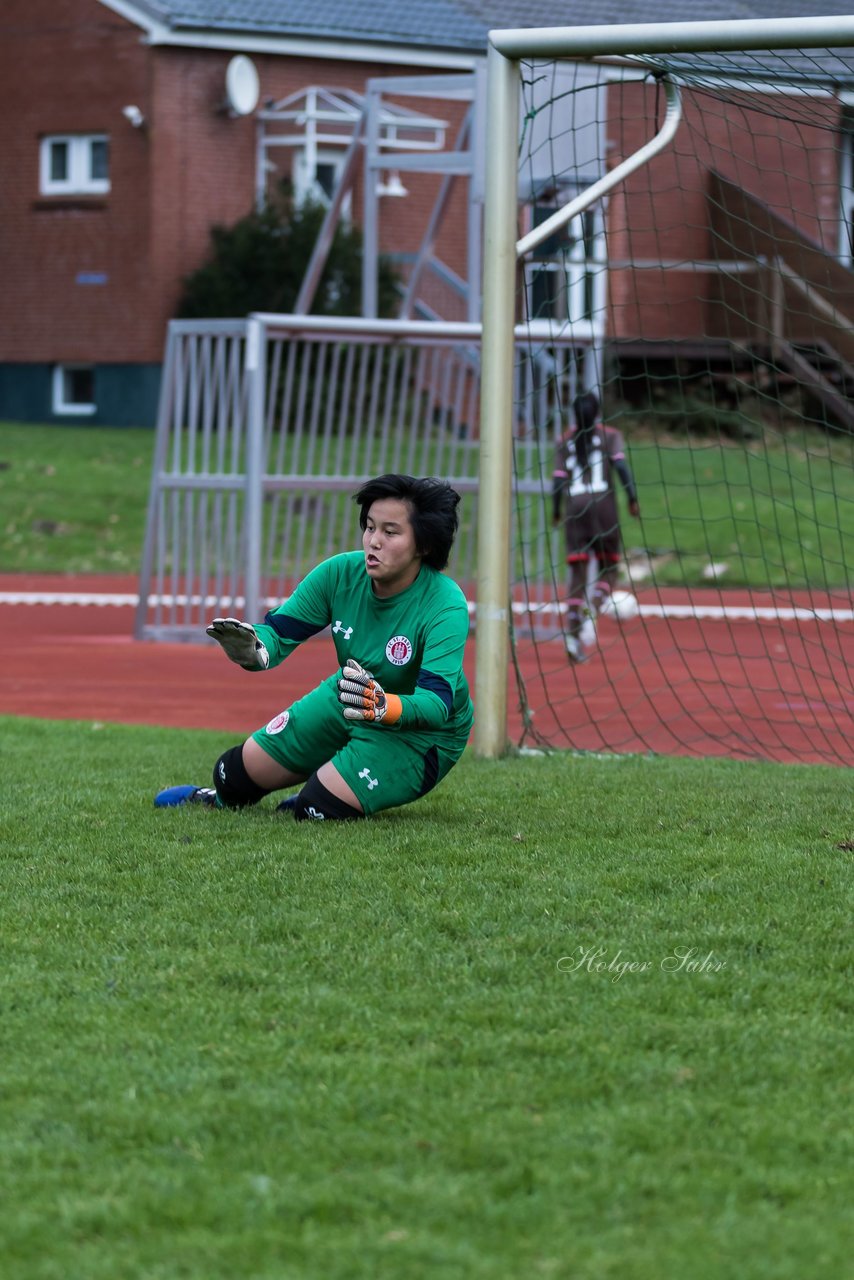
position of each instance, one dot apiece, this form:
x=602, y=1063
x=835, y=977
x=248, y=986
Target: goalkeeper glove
x=364, y=699
x=240, y=642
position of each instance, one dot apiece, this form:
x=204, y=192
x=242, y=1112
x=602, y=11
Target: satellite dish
x=241, y=86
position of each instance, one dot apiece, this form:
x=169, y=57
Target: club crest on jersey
x=278, y=723
x=399, y=650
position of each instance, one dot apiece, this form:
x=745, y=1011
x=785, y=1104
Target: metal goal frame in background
x=267, y=426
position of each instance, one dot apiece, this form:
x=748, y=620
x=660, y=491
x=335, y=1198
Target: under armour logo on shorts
x=372, y=782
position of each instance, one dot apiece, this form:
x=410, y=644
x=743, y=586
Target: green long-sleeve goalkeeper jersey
x=412, y=642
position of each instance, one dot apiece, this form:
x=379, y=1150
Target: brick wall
x=71, y=66
x=782, y=149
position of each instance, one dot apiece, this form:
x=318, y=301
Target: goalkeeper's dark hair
x=432, y=511
x=586, y=410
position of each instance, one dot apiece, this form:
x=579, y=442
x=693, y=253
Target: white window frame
x=79, y=180
x=846, y=191
x=59, y=403
x=580, y=286
x=305, y=162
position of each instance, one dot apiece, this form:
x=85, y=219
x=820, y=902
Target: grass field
x=779, y=511
x=573, y=1017
x=73, y=499
x=566, y=1017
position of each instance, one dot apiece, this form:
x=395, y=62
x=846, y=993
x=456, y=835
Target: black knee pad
x=316, y=801
x=233, y=785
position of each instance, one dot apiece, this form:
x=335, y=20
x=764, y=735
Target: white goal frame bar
x=500, y=255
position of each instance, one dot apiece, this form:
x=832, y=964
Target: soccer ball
x=587, y=635
x=622, y=605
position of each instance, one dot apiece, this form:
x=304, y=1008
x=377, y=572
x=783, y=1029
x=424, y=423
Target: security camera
x=134, y=116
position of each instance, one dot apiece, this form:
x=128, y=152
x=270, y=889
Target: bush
x=258, y=265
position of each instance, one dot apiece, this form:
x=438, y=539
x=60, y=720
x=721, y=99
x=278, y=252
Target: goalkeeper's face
x=391, y=560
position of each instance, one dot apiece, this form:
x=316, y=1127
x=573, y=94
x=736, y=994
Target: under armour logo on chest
x=346, y=632
x=372, y=782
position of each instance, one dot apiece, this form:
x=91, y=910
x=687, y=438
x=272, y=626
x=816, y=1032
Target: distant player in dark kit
x=585, y=461
x=396, y=715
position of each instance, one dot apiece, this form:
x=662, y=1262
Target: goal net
x=706, y=300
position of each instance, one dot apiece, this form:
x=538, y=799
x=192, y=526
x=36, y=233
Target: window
x=846, y=193
x=566, y=278
x=316, y=175
x=75, y=164
x=73, y=388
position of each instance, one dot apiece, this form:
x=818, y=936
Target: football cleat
x=575, y=649
x=174, y=796
x=288, y=805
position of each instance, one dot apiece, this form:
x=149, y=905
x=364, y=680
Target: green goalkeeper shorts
x=384, y=767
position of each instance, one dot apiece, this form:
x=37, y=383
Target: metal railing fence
x=267, y=426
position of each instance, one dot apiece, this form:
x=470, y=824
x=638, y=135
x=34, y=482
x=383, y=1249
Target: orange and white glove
x=362, y=698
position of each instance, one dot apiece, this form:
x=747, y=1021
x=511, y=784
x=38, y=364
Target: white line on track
x=712, y=612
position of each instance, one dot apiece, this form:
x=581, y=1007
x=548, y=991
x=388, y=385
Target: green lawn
x=779, y=512
x=565, y=1017
x=73, y=499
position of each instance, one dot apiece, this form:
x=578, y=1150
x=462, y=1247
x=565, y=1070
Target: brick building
x=121, y=151
x=124, y=154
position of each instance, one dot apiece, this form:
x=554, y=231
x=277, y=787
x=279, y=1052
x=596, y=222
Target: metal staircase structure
x=796, y=308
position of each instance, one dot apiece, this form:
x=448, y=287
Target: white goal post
x=623, y=45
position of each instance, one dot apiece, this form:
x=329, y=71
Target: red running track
x=778, y=689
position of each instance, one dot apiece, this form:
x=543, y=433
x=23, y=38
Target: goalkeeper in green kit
x=396, y=715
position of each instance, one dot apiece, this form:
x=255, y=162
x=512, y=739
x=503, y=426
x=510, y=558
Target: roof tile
x=453, y=24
